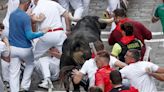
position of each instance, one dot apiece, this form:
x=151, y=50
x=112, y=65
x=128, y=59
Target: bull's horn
x=108, y=21
x=73, y=18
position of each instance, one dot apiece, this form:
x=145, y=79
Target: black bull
x=87, y=30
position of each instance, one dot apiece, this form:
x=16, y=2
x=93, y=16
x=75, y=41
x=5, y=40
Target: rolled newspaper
x=147, y=53
x=91, y=45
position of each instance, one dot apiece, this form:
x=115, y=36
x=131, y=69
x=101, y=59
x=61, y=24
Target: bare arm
x=120, y=64
x=67, y=20
x=160, y=70
x=158, y=76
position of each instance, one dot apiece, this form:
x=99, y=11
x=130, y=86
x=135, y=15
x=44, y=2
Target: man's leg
x=5, y=70
x=64, y=4
x=28, y=58
x=1, y=85
x=14, y=69
x=86, y=7
x=44, y=62
x=54, y=68
x=40, y=48
x=78, y=7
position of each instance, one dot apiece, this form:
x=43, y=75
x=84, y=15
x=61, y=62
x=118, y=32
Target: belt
x=57, y=29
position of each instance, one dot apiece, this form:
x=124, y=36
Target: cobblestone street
x=140, y=10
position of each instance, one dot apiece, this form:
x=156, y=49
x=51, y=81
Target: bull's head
x=80, y=51
x=93, y=22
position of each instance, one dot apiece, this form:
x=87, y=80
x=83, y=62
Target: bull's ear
x=96, y=17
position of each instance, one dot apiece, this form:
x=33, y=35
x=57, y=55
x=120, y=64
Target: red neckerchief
x=127, y=39
x=107, y=67
x=93, y=55
x=121, y=22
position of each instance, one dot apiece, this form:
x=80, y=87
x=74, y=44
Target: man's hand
x=148, y=71
x=54, y=52
x=45, y=30
x=29, y=12
x=41, y=17
x=77, y=76
x=68, y=33
x=38, y=18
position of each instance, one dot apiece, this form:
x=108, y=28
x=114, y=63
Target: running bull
x=76, y=48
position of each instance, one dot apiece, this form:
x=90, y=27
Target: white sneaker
x=44, y=84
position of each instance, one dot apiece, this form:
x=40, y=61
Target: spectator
x=116, y=79
x=20, y=36
x=159, y=15
x=140, y=32
x=128, y=41
x=136, y=73
x=102, y=79
x=78, y=75
x=48, y=67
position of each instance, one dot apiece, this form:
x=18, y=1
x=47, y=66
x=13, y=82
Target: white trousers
x=48, y=67
x=49, y=40
x=86, y=7
x=18, y=55
x=77, y=5
x=1, y=85
x=5, y=70
x=112, y=5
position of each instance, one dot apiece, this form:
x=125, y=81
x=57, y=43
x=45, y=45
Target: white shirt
x=90, y=68
x=138, y=77
x=52, y=10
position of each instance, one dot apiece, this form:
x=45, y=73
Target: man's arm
x=154, y=19
x=158, y=76
x=160, y=70
x=120, y=64
x=67, y=21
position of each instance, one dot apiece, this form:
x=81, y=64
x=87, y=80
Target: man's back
x=19, y=22
x=52, y=11
x=138, y=77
